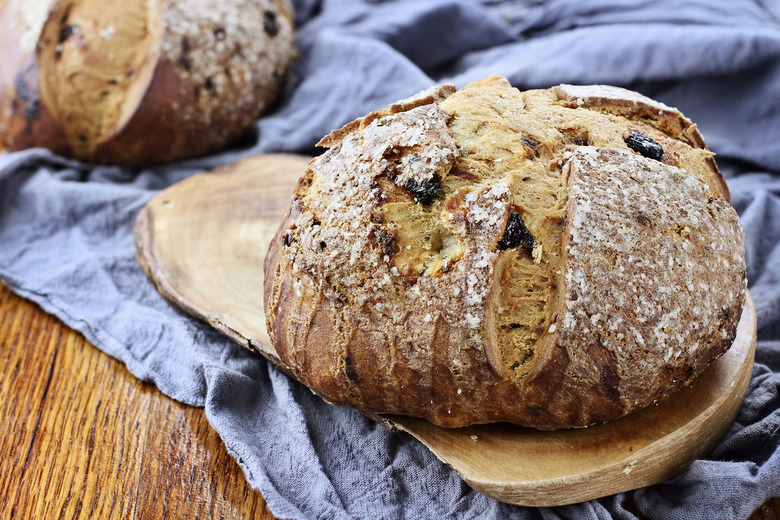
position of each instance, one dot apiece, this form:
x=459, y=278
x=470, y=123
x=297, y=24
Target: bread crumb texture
x=139, y=81
x=552, y=258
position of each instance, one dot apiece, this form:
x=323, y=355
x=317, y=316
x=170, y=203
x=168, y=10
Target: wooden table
x=83, y=438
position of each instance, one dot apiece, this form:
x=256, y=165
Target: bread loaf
x=140, y=81
x=552, y=258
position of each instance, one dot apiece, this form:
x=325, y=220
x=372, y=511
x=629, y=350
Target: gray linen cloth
x=66, y=237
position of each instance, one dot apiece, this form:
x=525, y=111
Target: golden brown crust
x=495, y=255
x=139, y=82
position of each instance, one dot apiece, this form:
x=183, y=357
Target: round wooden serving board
x=202, y=243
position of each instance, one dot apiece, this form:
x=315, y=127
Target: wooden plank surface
x=82, y=438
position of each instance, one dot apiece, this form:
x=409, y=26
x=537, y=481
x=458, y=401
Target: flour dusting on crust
x=651, y=262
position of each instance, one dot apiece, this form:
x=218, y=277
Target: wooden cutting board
x=202, y=243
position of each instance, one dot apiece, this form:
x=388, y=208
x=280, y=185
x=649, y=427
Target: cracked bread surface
x=495, y=255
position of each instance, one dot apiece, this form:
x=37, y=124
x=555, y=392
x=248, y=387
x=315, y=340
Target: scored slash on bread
x=495, y=255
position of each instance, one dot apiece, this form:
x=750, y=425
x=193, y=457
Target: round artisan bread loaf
x=552, y=258
x=140, y=81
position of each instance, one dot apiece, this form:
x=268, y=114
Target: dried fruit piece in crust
x=630, y=104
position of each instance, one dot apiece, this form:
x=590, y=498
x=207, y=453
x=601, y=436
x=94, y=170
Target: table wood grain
x=83, y=438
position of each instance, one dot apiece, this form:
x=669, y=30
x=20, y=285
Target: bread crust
x=139, y=82
x=494, y=255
